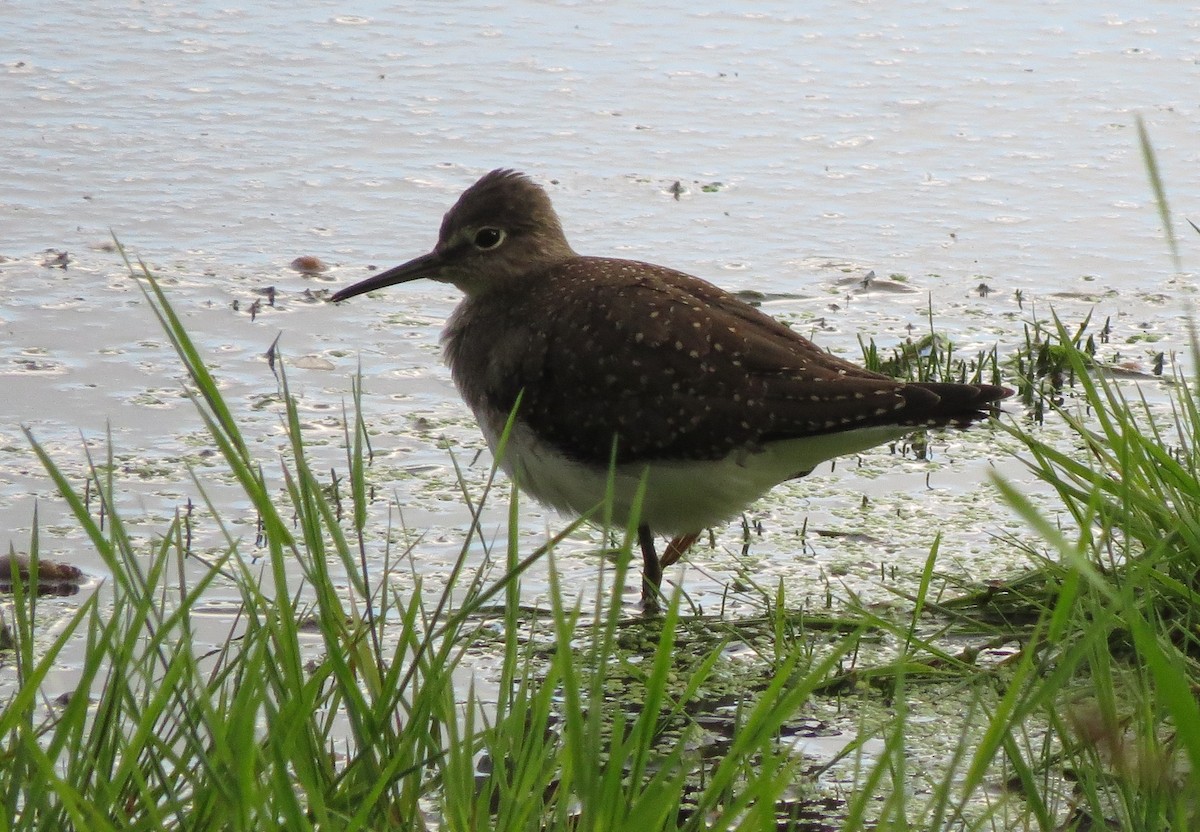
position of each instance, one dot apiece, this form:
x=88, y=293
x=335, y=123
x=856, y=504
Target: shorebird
x=626, y=374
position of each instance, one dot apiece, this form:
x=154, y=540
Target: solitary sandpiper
x=621, y=370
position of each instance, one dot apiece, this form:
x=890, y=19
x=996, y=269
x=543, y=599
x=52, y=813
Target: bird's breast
x=492, y=354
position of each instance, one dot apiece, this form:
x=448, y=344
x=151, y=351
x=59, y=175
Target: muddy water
x=949, y=144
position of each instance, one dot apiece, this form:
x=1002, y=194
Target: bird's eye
x=488, y=238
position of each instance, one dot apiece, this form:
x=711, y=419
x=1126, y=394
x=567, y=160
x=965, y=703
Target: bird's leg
x=677, y=548
x=653, y=565
x=651, y=568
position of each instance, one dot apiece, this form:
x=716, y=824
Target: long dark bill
x=427, y=265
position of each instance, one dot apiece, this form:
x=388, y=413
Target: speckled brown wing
x=678, y=369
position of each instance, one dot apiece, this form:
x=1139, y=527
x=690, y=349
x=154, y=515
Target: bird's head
x=502, y=229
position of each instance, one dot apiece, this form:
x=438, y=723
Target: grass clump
x=1112, y=663
x=932, y=358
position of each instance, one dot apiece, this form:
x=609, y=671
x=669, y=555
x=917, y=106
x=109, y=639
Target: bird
x=639, y=384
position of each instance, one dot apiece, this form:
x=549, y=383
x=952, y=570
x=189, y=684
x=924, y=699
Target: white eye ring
x=488, y=238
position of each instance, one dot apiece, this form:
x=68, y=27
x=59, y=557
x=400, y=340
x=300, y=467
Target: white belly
x=682, y=496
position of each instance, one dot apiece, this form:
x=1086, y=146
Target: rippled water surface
x=949, y=144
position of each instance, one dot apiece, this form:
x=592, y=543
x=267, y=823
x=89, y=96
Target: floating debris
x=313, y=362
x=872, y=283
x=309, y=264
x=53, y=578
x=53, y=258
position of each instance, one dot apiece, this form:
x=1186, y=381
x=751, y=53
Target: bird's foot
x=677, y=548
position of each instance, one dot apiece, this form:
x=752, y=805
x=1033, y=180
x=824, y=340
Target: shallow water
x=950, y=144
